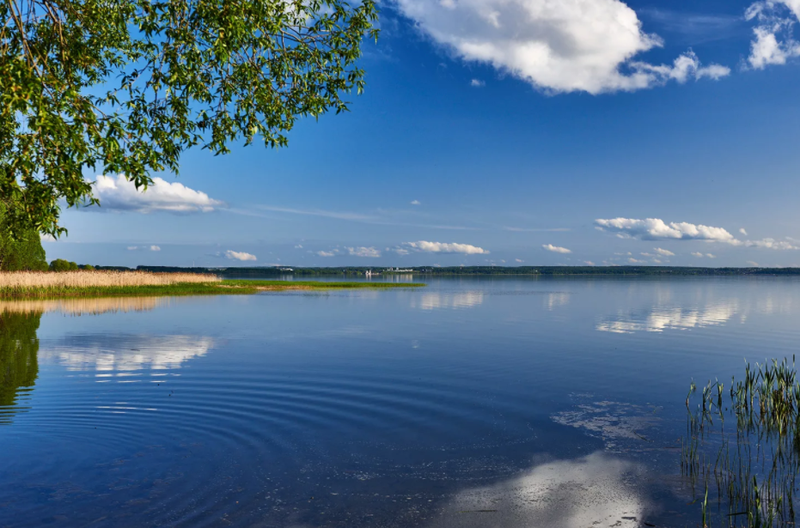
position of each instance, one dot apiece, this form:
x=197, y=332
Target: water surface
x=473, y=402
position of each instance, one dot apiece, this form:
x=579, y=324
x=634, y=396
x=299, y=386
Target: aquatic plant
x=754, y=465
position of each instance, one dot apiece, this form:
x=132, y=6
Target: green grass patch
x=316, y=285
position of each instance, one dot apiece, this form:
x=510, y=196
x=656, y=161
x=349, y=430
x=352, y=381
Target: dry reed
x=36, y=280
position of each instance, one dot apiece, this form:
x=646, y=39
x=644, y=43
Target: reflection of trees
x=19, y=347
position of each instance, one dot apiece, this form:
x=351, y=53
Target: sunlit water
x=472, y=402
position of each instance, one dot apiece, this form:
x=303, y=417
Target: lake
x=507, y=402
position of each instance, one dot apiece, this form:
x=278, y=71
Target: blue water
x=501, y=402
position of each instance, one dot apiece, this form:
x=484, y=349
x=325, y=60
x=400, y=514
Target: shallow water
x=472, y=402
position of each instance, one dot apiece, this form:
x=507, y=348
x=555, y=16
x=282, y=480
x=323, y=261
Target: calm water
x=474, y=402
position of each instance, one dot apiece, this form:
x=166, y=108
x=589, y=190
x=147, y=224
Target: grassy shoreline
x=225, y=287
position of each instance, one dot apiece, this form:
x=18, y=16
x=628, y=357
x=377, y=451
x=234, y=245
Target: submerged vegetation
x=22, y=285
x=743, y=445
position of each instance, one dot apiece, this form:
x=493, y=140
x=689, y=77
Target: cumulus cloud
x=477, y=83
x=239, y=255
x=299, y=246
x=657, y=229
x=770, y=243
x=588, y=262
x=772, y=36
x=326, y=253
x=117, y=193
x=442, y=247
x=664, y=252
x=144, y=248
x=703, y=255
x=634, y=261
x=519, y=260
x=363, y=252
x=416, y=202
x=555, y=249
x=743, y=231
x=558, y=46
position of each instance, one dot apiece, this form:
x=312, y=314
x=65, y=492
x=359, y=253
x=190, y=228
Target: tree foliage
x=21, y=252
x=126, y=86
x=63, y=265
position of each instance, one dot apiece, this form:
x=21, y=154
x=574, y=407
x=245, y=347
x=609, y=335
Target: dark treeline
x=541, y=271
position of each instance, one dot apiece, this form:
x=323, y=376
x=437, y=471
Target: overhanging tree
x=22, y=252
x=126, y=86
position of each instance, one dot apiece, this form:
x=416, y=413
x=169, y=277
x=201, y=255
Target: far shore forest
x=541, y=271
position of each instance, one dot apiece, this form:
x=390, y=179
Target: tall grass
x=753, y=458
x=36, y=283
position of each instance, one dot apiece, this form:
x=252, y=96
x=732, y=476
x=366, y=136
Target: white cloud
x=664, y=252
x=588, y=262
x=416, y=202
x=442, y=247
x=144, y=248
x=703, y=255
x=117, y=193
x=555, y=249
x=743, y=231
x=754, y=264
x=634, y=261
x=326, y=253
x=401, y=251
x=239, y=255
x=558, y=46
x=773, y=42
x=477, y=83
x=299, y=246
x=519, y=260
x=657, y=229
x=363, y=252
x=709, y=255
x=770, y=243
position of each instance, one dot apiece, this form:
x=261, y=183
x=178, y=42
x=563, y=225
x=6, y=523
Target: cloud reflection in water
x=127, y=353
x=436, y=300
x=671, y=318
x=596, y=490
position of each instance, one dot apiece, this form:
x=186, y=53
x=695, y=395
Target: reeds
x=753, y=466
x=21, y=280
x=22, y=284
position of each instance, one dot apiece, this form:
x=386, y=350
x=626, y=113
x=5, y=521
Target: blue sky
x=506, y=132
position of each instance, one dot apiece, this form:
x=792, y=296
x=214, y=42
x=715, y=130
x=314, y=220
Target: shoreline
x=224, y=287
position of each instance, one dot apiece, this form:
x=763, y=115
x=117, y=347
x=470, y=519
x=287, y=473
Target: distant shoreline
x=429, y=271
